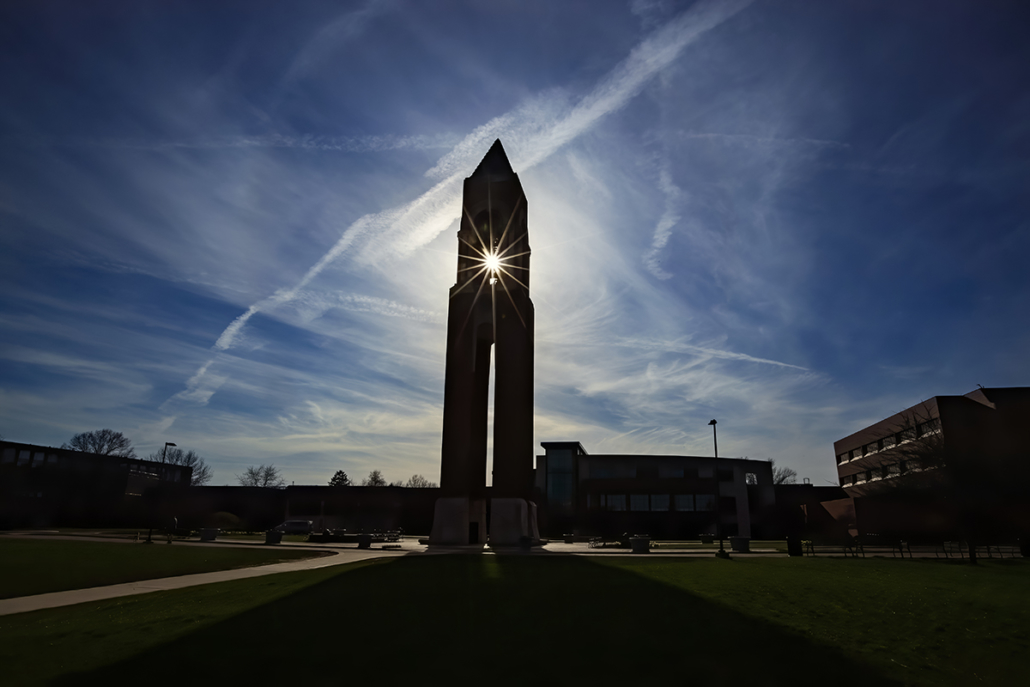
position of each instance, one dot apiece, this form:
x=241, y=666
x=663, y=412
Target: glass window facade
x=638, y=502
x=659, y=502
x=705, y=501
x=560, y=479
x=613, y=501
x=684, y=502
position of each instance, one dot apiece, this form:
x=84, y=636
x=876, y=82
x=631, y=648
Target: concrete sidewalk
x=37, y=602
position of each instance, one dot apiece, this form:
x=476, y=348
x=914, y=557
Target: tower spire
x=494, y=164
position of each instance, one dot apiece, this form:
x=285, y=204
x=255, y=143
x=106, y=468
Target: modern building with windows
x=679, y=497
x=943, y=464
x=41, y=486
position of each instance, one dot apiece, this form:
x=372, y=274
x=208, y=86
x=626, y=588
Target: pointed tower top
x=495, y=163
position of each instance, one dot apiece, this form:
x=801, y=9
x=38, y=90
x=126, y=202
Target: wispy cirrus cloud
x=403, y=229
x=663, y=230
x=312, y=305
x=327, y=40
x=377, y=143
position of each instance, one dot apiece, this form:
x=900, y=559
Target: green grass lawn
x=37, y=566
x=550, y=620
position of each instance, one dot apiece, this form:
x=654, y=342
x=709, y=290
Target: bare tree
x=191, y=459
x=419, y=482
x=783, y=475
x=105, y=442
x=262, y=476
x=340, y=479
x=374, y=479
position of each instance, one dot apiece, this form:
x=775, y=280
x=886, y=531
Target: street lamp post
x=721, y=553
x=150, y=533
x=168, y=443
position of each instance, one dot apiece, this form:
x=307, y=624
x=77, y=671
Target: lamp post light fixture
x=168, y=443
x=715, y=438
x=721, y=553
x=150, y=533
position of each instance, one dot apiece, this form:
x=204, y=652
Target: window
x=613, y=501
x=8, y=456
x=842, y=458
x=907, y=434
x=706, y=473
x=559, y=490
x=750, y=478
x=844, y=481
x=23, y=458
x=725, y=474
x=888, y=442
x=638, y=502
x=705, y=501
x=660, y=502
x=684, y=502
x=666, y=472
x=38, y=459
x=560, y=486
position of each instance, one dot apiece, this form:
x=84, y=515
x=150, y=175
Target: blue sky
x=233, y=225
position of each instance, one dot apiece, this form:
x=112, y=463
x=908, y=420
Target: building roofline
x=564, y=444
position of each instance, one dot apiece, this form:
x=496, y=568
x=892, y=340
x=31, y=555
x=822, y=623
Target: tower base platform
x=460, y=521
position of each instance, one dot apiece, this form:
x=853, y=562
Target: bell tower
x=489, y=321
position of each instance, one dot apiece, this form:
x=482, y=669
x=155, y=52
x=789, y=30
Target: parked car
x=294, y=527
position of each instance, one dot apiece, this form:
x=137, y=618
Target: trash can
x=273, y=537
x=364, y=541
x=208, y=533
x=707, y=538
x=794, y=546
x=640, y=544
x=569, y=538
x=740, y=544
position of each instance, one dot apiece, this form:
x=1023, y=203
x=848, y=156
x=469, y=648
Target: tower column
x=489, y=307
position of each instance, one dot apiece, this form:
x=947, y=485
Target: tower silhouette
x=490, y=315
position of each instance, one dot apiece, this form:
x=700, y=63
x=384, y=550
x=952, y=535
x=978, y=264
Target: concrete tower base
x=511, y=520
x=458, y=521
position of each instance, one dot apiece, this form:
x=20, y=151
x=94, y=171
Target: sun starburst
x=492, y=262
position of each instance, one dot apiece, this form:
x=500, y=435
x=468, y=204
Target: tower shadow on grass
x=494, y=620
